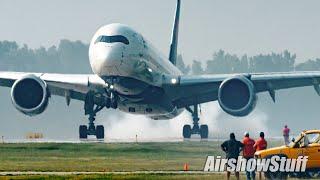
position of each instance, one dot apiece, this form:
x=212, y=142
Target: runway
x=17, y=173
x=127, y=140
x=93, y=140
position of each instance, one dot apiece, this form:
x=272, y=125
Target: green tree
x=185, y=69
x=197, y=67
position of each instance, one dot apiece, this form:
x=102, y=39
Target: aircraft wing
x=71, y=86
x=190, y=90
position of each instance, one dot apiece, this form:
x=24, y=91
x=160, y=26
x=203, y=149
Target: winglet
x=175, y=34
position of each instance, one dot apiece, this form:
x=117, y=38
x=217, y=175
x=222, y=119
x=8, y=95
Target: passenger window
x=313, y=138
x=112, y=39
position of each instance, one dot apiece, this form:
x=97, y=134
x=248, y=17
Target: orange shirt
x=248, y=150
x=260, y=144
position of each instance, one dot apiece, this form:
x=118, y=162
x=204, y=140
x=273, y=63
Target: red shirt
x=286, y=131
x=248, y=149
x=261, y=144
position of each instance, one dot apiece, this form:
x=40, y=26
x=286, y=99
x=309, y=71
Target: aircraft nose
x=106, y=60
x=109, y=56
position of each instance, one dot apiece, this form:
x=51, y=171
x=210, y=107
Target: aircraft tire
x=204, y=131
x=100, y=132
x=186, y=131
x=83, y=132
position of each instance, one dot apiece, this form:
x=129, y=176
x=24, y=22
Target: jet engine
x=30, y=95
x=237, y=96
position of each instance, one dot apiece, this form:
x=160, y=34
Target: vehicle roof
x=311, y=131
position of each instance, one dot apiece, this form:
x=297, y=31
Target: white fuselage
x=118, y=51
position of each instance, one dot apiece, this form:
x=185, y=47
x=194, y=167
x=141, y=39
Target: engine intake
x=237, y=96
x=29, y=95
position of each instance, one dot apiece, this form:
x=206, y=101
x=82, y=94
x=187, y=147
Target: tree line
x=67, y=57
x=64, y=57
x=223, y=62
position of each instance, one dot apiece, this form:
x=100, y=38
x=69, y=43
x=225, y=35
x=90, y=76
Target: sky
x=239, y=27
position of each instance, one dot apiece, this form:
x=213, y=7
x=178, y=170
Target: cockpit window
x=112, y=39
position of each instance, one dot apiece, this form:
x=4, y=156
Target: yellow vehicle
x=306, y=144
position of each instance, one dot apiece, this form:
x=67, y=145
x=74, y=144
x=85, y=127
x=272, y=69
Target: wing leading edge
x=71, y=86
x=190, y=90
x=187, y=91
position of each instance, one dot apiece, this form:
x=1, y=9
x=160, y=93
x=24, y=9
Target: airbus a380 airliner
x=132, y=76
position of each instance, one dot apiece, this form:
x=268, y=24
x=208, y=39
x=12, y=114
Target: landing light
x=174, y=81
x=111, y=87
x=150, y=70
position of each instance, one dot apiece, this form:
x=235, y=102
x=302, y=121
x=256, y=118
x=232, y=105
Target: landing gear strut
x=97, y=131
x=202, y=130
x=113, y=101
x=91, y=129
x=91, y=109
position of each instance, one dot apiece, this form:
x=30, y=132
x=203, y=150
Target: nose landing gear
x=202, y=130
x=113, y=101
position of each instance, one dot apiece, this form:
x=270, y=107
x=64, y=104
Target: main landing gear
x=91, y=109
x=91, y=129
x=202, y=130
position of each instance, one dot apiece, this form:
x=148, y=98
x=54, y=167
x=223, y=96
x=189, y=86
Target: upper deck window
x=112, y=39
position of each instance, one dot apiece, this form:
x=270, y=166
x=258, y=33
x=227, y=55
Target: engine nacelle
x=30, y=95
x=237, y=96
